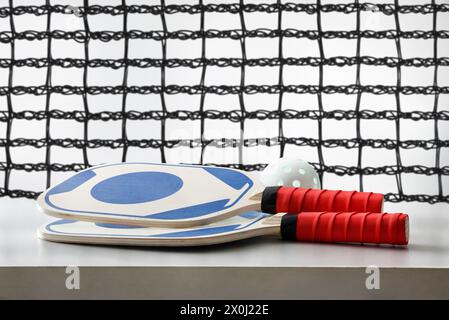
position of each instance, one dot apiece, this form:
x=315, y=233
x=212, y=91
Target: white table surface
x=426, y=256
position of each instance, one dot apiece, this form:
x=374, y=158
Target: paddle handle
x=363, y=227
x=295, y=200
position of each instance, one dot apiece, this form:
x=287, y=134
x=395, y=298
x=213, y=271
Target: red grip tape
x=364, y=227
x=295, y=200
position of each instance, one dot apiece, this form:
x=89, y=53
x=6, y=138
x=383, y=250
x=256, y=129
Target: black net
x=237, y=113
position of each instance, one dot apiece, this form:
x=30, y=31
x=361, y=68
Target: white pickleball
x=290, y=172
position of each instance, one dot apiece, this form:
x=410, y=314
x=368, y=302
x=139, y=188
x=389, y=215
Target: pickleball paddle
x=333, y=227
x=170, y=195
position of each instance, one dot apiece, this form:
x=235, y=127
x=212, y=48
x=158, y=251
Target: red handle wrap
x=294, y=200
x=364, y=227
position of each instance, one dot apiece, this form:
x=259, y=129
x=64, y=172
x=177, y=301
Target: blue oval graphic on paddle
x=136, y=187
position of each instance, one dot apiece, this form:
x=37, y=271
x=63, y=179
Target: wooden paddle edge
x=260, y=230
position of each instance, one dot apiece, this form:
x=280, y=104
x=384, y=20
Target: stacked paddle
x=186, y=205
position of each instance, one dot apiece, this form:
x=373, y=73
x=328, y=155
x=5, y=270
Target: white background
x=421, y=130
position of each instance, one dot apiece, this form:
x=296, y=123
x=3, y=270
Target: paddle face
x=246, y=225
x=147, y=194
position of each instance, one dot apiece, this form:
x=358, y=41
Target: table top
x=428, y=248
